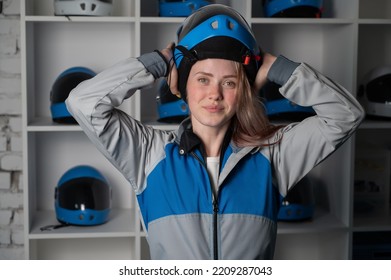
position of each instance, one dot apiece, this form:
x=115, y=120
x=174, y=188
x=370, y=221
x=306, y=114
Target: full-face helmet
x=180, y=8
x=171, y=109
x=293, y=8
x=299, y=204
x=83, y=7
x=375, y=92
x=61, y=88
x=82, y=197
x=278, y=107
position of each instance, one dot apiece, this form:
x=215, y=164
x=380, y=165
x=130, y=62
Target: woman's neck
x=212, y=138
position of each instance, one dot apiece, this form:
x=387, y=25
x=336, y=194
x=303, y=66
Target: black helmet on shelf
x=215, y=31
x=375, y=92
x=180, y=8
x=293, y=8
x=278, y=107
x=82, y=197
x=171, y=109
x=61, y=88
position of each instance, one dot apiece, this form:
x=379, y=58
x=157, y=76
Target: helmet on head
x=215, y=31
x=179, y=8
x=293, y=8
x=82, y=197
x=375, y=92
x=83, y=7
x=171, y=109
x=61, y=88
x=278, y=107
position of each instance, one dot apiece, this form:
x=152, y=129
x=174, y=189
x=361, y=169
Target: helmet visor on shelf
x=83, y=193
x=379, y=90
x=66, y=82
x=280, y=108
x=171, y=109
x=293, y=8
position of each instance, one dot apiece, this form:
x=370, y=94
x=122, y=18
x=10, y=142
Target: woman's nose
x=215, y=92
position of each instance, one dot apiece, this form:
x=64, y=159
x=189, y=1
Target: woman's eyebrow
x=211, y=74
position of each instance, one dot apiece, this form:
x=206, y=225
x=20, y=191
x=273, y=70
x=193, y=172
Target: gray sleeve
x=128, y=144
x=281, y=70
x=155, y=63
x=305, y=144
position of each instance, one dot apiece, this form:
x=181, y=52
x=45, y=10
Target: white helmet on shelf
x=375, y=92
x=83, y=7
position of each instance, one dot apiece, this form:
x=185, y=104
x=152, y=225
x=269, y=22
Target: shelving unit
x=340, y=45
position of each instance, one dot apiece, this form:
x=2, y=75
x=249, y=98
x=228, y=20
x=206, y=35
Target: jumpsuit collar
x=189, y=141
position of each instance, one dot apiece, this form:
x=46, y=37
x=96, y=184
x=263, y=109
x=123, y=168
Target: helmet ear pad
x=219, y=47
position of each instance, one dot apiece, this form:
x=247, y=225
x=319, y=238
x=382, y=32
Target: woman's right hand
x=261, y=78
x=172, y=77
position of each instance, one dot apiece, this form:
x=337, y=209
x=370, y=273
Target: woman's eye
x=202, y=80
x=230, y=84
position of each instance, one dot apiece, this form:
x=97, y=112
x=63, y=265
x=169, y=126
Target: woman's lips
x=213, y=108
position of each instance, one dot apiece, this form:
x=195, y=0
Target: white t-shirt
x=213, y=165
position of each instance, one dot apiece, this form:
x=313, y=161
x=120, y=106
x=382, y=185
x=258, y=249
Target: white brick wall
x=11, y=189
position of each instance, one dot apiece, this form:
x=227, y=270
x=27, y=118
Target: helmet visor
x=84, y=193
x=379, y=89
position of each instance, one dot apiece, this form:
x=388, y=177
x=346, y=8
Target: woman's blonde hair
x=251, y=126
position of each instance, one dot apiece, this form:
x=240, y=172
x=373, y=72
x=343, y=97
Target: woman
x=212, y=188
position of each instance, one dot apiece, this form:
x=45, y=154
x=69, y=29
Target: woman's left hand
x=172, y=77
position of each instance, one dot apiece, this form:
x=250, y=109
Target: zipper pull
x=215, y=207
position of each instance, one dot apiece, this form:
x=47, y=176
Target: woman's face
x=212, y=89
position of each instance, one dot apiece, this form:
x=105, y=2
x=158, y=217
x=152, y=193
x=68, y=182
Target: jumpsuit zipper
x=215, y=211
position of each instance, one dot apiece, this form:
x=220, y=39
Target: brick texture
x=11, y=189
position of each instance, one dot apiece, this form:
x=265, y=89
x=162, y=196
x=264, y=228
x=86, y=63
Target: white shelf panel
x=45, y=124
x=177, y=20
x=121, y=224
x=78, y=19
x=311, y=21
x=321, y=222
x=374, y=21
x=376, y=124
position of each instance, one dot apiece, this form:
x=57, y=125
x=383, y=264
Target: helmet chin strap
x=52, y=227
x=190, y=56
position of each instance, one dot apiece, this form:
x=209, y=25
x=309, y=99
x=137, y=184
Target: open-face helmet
x=215, y=31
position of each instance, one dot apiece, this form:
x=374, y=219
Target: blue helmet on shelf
x=82, y=197
x=278, y=107
x=180, y=8
x=299, y=203
x=171, y=109
x=61, y=88
x=215, y=31
x=293, y=8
